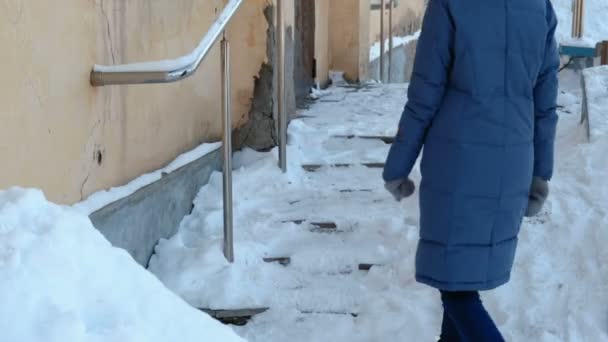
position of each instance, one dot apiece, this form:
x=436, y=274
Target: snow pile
x=60, y=280
x=596, y=26
x=102, y=198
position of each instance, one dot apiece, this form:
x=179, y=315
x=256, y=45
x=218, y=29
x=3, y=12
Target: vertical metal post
x=604, y=52
x=382, y=40
x=227, y=150
x=280, y=70
x=390, y=38
x=578, y=18
x=585, y=108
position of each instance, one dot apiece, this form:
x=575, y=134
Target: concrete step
x=319, y=227
x=386, y=139
x=316, y=167
x=238, y=317
x=285, y=261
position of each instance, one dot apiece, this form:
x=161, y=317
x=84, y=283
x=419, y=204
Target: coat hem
x=453, y=286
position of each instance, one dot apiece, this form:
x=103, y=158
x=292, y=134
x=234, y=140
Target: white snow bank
x=596, y=83
x=596, y=25
x=374, y=51
x=102, y=198
x=60, y=280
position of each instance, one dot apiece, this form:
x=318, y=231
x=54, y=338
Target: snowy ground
x=558, y=291
x=61, y=281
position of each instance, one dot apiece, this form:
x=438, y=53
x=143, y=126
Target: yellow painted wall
x=53, y=123
x=407, y=18
x=348, y=25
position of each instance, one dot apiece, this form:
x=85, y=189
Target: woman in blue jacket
x=482, y=102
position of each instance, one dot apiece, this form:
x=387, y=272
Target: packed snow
x=61, y=281
x=558, y=290
x=102, y=198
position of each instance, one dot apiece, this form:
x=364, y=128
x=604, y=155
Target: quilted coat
x=482, y=107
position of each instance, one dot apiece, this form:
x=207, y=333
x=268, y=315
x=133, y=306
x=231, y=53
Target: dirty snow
x=558, y=291
x=61, y=281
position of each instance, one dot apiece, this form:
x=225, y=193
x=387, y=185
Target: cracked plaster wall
x=62, y=135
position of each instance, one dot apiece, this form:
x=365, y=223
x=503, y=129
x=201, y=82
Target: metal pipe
x=168, y=70
x=280, y=66
x=604, y=52
x=381, y=40
x=578, y=15
x=390, y=38
x=582, y=18
x=227, y=151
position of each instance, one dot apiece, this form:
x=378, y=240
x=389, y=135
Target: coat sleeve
x=545, y=103
x=427, y=87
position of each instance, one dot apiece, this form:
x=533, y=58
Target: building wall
x=348, y=24
x=62, y=135
x=70, y=139
x=407, y=19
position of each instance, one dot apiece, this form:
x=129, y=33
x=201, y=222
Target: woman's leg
x=469, y=317
x=448, y=330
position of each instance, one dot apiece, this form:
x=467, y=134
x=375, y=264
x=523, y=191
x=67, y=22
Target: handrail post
x=280, y=71
x=604, y=52
x=381, y=41
x=390, y=38
x=578, y=18
x=227, y=150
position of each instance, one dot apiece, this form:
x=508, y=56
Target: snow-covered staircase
x=308, y=242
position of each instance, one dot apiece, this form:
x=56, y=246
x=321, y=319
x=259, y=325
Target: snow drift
x=60, y=280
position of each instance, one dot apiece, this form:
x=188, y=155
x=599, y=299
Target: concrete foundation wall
x=137, y=222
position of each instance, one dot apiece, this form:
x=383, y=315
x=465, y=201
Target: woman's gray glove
x=539, y=191
x=400, y=188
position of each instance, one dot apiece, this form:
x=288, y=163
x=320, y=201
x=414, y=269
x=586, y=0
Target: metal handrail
x=168, y=70
x=382, y=6
x=185, y=66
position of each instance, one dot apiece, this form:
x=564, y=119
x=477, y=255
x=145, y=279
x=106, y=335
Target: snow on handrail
x=165, y=71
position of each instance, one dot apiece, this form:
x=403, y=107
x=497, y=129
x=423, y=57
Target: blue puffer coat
x=482, y=101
